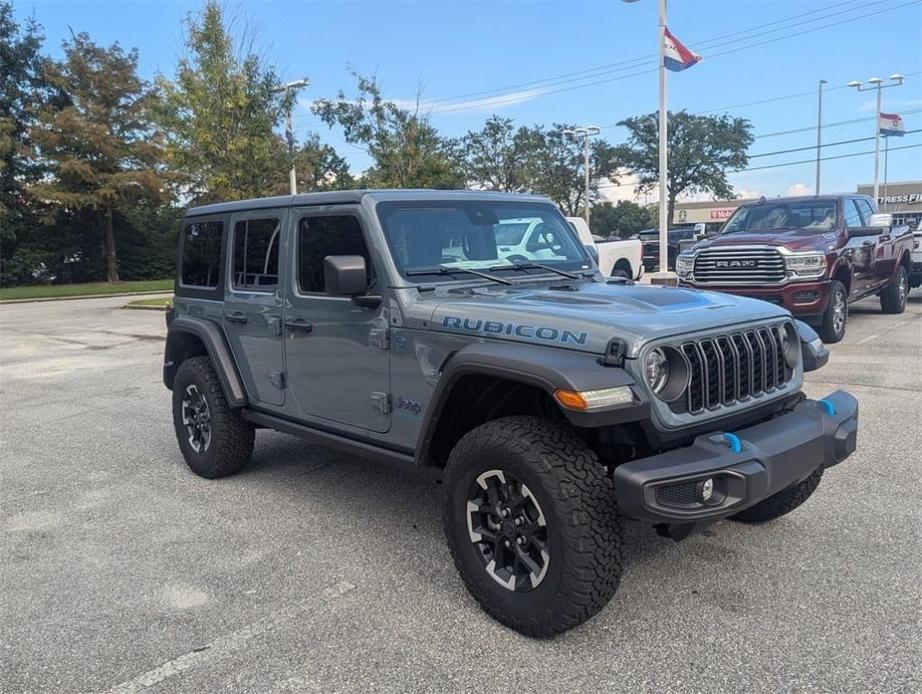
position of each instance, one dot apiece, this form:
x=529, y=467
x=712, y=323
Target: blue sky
x=451, y=50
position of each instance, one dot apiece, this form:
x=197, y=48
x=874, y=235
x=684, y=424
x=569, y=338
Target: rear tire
x=893, y=298
x=622, y=272
x=835, y=317
x=214, y=439
x=541, y=552
x=781, y=503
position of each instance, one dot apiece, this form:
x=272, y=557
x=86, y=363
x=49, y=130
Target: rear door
x=253, y=304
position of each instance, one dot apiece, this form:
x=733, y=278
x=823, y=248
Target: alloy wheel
x=508, y=530
x=196, y=416
x=839, y=312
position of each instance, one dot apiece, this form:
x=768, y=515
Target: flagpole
x=663, y=155
x=886, y=162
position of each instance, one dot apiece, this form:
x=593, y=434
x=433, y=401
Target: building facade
x=901, y=199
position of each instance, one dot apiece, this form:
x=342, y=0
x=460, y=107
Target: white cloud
x=799, y=189
x=484, y=104
x=747, y=194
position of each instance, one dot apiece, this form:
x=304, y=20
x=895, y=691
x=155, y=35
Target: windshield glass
x=807, y=214
x=479, y=235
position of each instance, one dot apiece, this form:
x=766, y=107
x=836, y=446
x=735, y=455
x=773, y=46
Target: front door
x=253, y=304
x=862, y=248
x=335, y=351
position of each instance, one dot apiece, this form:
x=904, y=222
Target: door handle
x=299, y=324
x=235, y=317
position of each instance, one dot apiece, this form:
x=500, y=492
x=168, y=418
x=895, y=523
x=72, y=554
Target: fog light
x=706, y=490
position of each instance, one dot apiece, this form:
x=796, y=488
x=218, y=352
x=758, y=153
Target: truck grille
x=732, y=368
x=739, y=266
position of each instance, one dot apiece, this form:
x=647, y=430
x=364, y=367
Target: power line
x=825, y=144
x=811, y=161
x=830, y=125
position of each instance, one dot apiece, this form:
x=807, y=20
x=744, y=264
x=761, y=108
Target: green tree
x=701, y=151
x=622, y=219
x=220, y=114
x=497, y=156
x=21, y=87
x=318, y=167
x=98, y=143
x=406, y=149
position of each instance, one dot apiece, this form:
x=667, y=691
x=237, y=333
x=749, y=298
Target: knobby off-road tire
x=893, y=298
x=781, y=503
x=225, y=444
x=835, y=317
x=564, y=481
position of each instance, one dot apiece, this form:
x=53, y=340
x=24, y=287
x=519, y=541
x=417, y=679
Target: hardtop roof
x=345, y=197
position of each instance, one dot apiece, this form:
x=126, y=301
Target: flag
x=891, y=124
x=677, y=57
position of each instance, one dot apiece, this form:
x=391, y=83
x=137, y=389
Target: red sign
x=723, y=213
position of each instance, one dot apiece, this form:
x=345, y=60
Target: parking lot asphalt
x=313, y=571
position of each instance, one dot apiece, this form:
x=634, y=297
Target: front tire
x=781, y=503
x=214, y=439
x=893, y=298
x=532, y=524
x=835, y=317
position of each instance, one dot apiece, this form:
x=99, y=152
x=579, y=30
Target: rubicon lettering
x=533, y=332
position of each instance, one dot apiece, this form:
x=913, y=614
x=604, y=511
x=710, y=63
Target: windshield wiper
x=445, y=270
x=536, y=266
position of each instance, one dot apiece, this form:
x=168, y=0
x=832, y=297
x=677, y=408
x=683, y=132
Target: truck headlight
x=684, y=264
x=806, y=264
x=656, y=369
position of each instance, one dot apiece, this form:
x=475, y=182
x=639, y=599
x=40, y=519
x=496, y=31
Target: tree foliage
x=97, y=140
x=221, y=113
x=622, y=219
x=406, y=149
x=701, y=151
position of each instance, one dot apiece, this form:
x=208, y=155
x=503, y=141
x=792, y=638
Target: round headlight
x=791, y=346
x=656, y=369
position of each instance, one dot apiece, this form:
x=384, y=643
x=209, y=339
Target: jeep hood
x=587, y=315
x=792, y=239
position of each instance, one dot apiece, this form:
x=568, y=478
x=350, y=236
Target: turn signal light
x=589, y=400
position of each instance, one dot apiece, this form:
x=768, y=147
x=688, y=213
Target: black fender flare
x=212, y=337
x=546, y=368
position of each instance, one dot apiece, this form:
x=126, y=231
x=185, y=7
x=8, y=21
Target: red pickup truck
x=812, y=255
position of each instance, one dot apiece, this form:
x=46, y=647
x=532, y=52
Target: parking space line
x=223, y=645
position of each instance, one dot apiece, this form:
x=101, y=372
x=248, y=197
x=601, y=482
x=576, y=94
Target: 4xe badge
x=736, y=263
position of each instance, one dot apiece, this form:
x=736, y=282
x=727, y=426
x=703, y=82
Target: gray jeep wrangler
x=412, y=326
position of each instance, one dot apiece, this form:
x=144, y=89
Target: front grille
x=732, y=368
x=682, y=494
x=739, y=266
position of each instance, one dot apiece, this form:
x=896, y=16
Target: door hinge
x=277, y=378
x=380, y=338
x=382, y=402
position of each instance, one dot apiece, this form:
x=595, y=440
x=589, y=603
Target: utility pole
x=584, y=132
x=876, y=83
x=819, y=133
x=663, y=153
x=289, y=132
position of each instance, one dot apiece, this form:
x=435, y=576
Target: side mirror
x=344, y=275
x=881, y=219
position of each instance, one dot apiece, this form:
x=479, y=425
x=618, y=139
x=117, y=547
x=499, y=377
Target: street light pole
x=819, y=133
x=877, y=83
x=289, y=132
x=584, y=132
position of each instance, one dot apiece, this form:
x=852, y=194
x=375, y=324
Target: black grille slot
x=726, y=369
x=682, y=494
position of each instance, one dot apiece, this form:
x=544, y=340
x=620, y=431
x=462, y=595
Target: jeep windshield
x=780, y=216
x=430, y=239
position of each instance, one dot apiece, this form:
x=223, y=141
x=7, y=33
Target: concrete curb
x=83, y=296
x=146, y=308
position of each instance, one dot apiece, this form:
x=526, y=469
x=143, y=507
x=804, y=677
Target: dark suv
x=811, y=255
x=555, y=401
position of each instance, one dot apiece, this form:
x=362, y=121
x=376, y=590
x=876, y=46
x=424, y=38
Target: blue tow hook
x=828, y=407
x=734, y=442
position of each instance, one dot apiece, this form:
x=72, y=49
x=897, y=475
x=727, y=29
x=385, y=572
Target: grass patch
x=50, y=291
x=151, y=304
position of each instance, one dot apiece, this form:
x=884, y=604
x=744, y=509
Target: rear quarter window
x=201, y=254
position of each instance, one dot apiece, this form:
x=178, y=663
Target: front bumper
x=769, y=457
x=803, y=299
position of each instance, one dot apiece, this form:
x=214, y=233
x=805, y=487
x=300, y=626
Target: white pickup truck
x=618, y=258
x=915, y=262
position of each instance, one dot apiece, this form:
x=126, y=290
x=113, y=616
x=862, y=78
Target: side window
x=866, y=211
x=256, y=254
x=319, y=237
x=852, y=216
x=201, y=254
